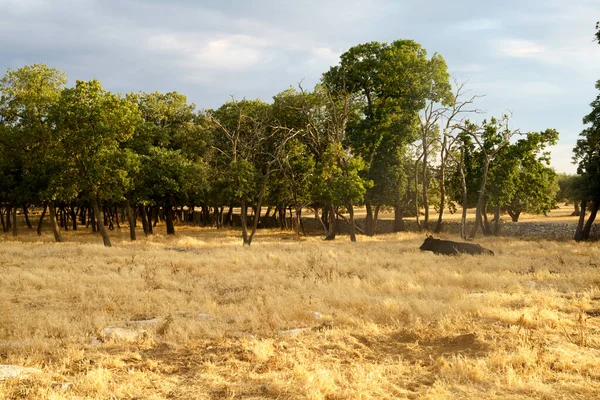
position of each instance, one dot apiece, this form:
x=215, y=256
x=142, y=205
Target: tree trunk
x=369, y=220
x=26, y=214
x=2, y=220
x=514, y=215
x=74, y=217
x=438, y=225
x=399, y=217
x=14, y=221
x=169, y=219
x=40, y=223
x=258, y=208
x=465, y=197
x=579, y=230
x=497, y=220
x=487, y=230
x=100, y=222
x=350, y=208
x=8, y=223
x=376, y=218
x=144, y=217
x=331, y=228
x=131, y=219
x=243, y=216
x=417, y=216
x=424, y=185
x=479, y=209
x=585, y=234
x=576, y=211
x=54, y=223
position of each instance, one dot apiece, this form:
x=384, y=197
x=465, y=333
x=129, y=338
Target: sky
x=535, y=59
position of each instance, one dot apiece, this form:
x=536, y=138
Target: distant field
x=298, y=318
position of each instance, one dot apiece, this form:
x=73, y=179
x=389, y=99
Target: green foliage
x=26, y=97
x=91, y=125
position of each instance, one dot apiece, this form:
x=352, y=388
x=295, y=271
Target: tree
x=91, y=125
x=393, y=82
x=172, y=144
x=491, y=137
x=569, y=187
x=587, y=156
x=243, y=133
x=26, y=97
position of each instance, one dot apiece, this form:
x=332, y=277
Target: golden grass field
x=394, y=322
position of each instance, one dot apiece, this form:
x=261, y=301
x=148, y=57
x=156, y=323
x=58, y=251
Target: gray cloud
x=535, y=58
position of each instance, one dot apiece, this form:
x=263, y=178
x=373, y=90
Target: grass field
x=295, y=318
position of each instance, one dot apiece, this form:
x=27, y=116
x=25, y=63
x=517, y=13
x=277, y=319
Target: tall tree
x=393, y=81
x=92, y=124
x=26, y=97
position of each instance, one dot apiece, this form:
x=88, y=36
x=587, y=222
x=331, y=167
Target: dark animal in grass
x=448, y=247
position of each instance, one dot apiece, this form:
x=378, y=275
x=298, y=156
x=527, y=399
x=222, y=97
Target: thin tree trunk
x=14, y=221
x=369, y=220
x=438, y=225
x=376, y=218
x=8, y=223
x=2, y=220
x=331, y=229
x=479, y=209
x=497, y=220
x=100, y=222
x=585, y=234
x=350, y=208
x=74, y=217
x=144, y=218
x=26, y=214
x=131, y=219
x=54, y=223
x=261, y=197
x=465, y=196
x=579, y=230
x=40, y=223
x=243, y=216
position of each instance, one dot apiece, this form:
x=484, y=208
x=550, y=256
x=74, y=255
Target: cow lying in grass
x=448, y=247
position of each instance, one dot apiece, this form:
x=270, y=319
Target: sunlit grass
x=382, y=319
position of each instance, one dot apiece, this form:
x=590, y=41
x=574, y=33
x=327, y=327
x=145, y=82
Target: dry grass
x=395, y=322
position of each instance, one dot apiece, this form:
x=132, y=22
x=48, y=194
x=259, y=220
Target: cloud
x=520, y=48
x=228, y=52
x=478, y=24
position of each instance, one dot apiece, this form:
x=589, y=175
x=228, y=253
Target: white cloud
x=520, y=48
x=478, y=24
x=228, y=52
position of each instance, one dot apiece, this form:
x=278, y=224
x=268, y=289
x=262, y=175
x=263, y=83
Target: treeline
x=385, y=128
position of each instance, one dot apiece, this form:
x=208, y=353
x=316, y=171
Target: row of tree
x=385, y=129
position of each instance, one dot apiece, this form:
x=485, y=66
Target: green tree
x=92, y=125
x=172, y=144
x=394, y=81
x=26, y=97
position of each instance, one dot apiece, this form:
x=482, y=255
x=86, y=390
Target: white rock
x=205, y=317
x=530, y=284
x=478, y=294
x=316, y=315
x=152, y=321
x=119, y=333
x=14, y=371
x=95, y=341
x=293, y=332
